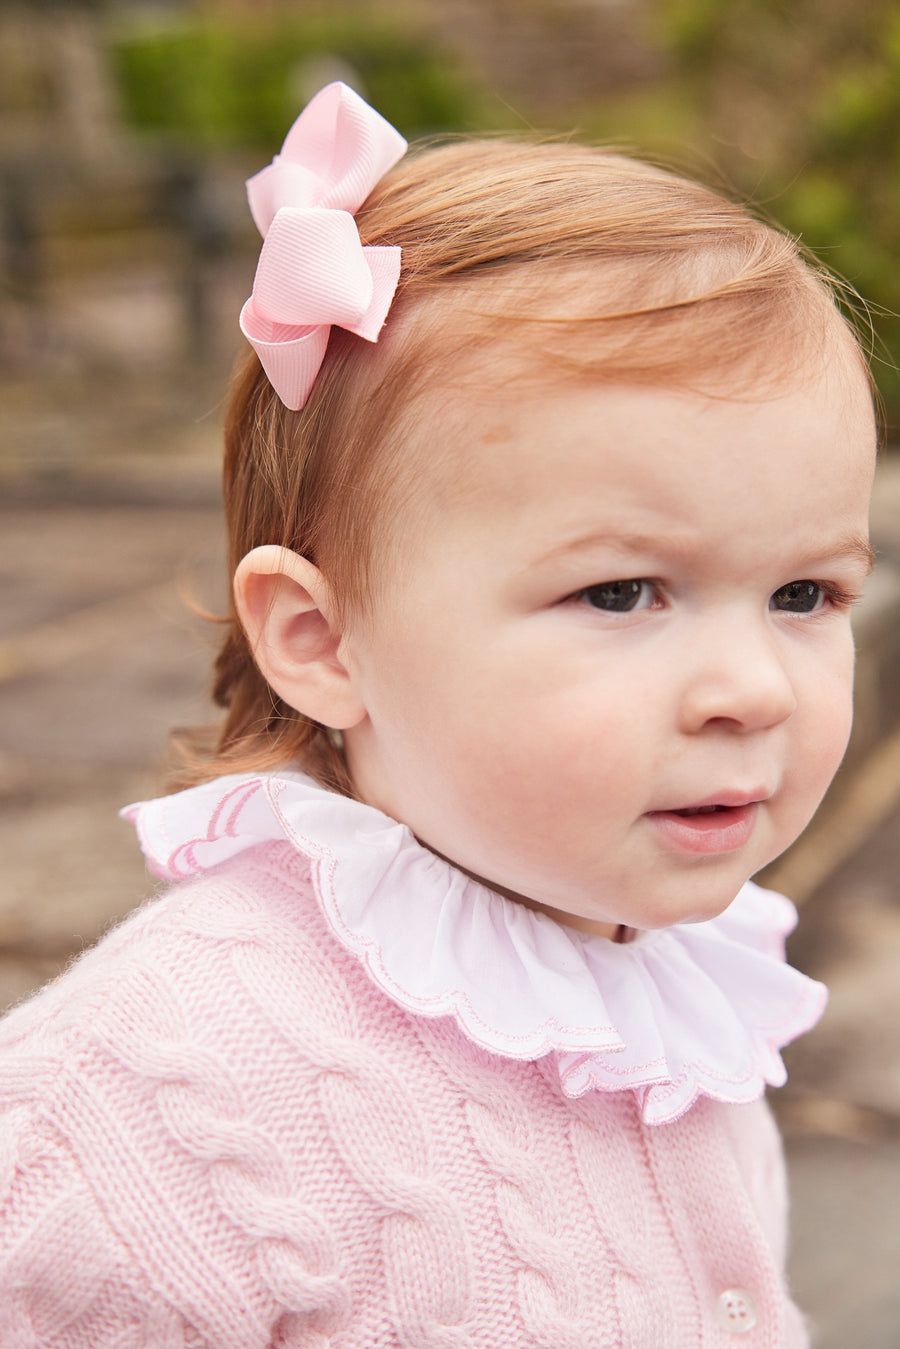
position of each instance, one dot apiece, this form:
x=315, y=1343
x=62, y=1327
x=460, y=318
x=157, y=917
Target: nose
x=737, y=677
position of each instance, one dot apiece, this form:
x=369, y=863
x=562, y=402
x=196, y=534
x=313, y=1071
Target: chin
x=690, y=912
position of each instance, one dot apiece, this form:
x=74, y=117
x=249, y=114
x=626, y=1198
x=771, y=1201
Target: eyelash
x=632, y=587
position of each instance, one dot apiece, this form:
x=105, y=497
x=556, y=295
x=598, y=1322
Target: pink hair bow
x=313, y=271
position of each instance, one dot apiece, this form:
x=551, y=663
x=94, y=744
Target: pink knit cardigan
x=217, y=1130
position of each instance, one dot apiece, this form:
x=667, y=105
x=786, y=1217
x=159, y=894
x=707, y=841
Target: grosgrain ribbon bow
x=313, y=271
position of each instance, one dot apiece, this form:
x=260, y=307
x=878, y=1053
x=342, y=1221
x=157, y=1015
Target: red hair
x=589, y=262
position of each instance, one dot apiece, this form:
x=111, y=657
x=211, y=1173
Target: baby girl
x=547, y=484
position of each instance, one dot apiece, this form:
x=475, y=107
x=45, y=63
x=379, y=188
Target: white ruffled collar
x=695, y=1009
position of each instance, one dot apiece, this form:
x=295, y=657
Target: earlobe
x=285, y=607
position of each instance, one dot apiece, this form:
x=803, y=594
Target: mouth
x=701, y=810
x=711, y=827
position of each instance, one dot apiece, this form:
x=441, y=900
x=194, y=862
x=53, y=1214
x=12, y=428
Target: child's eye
x=618, y=597
x=799, y=597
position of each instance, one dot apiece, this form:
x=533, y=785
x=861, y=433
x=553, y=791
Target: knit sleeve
x=65, y=1277
x=196, y=1245
x=143, y=1199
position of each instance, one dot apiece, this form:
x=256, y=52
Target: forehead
x=492, y=436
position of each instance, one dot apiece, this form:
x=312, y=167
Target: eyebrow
x=627, y=543
x=856, y=547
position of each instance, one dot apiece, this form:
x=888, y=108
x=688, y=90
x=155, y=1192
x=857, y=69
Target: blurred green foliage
x=798, y=104
x=231, y=80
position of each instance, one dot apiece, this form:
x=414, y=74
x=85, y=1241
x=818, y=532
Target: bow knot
x=313, y=271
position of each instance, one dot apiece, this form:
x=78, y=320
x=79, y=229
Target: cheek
x=837, y=736
x=825, y=729
x=544, y=752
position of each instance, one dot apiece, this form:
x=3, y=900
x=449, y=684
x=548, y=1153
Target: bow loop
x=347, y=144
x=282, y=184
x=313, y=270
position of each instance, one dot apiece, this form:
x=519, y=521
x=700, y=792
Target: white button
x=736, y=1310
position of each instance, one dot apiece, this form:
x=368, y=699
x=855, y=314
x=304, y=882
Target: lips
x=713, y=827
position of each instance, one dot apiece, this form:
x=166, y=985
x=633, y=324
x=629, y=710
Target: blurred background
x=127, y=128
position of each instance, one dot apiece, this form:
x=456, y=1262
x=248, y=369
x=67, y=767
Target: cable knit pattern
x=218, y=1132
x=527, y=1201
x=652, y=1311
x=381, y=1135
x=201, y=1107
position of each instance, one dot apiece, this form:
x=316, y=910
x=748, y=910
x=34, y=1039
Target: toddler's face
x=611, y=672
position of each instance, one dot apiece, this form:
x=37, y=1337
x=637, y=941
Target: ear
x=285, y=607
